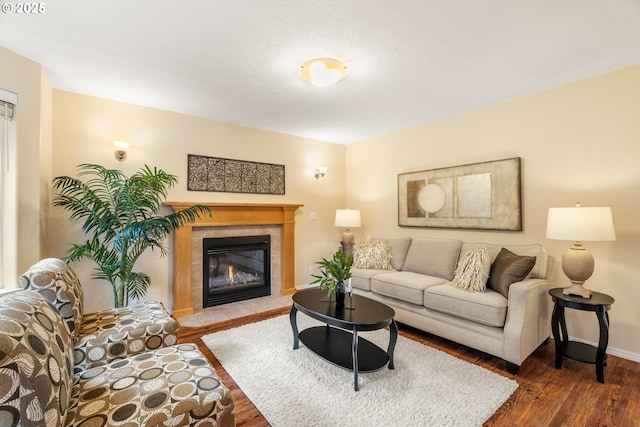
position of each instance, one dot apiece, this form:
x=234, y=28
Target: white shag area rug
x=298, y=388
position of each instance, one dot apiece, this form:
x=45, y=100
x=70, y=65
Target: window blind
x=7, y=109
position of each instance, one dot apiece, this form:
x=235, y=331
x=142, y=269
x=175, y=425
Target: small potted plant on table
x=333, y=274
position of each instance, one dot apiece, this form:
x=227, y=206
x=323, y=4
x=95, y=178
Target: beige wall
x=33, y=115
x=83, y=130
x=578, y=142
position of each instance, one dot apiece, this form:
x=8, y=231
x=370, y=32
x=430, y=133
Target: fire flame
x=230, y=273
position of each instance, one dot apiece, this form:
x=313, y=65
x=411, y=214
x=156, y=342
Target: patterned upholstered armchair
x=108, y=335
x=171, y=386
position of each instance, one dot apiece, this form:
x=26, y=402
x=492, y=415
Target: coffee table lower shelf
x=335, y=346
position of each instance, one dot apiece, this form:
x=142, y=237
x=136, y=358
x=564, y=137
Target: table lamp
x=580, y=224
x=347, y=218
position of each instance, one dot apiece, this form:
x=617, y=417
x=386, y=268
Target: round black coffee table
x=338, y=341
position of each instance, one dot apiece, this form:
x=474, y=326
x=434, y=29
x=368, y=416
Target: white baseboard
x=634, y=357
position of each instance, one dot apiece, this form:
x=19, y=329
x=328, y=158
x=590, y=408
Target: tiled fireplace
x=198, y=261
x=232, y=220
x=235, y=268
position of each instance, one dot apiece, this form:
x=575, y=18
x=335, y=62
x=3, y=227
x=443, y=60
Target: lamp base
x=347, y=242
x=578, y=290
x=577, y=264
x=347, y=248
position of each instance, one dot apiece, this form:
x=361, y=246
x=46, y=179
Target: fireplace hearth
x=235, y=269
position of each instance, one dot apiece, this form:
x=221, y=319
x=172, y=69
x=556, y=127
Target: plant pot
x=340, y=295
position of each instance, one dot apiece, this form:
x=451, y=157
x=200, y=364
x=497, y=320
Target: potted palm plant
x=333, y=274
x=121, y=221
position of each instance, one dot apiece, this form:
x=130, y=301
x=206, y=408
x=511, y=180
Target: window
x=8, y=192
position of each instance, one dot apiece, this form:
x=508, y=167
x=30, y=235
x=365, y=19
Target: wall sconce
x=320, y=172
x=121, y=150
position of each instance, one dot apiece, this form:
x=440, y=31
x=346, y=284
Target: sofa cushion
x=36, y=375
x=172, y=386
x=473, y=269
x=404, y=285
x=58, y=283
x=488, y=308
x=372, y=254
x=361, y=278
x=433, y=257
x=399, y=248
x=509, y=268
x=121, y=332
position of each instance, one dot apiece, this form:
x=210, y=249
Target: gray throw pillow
x=509, y=268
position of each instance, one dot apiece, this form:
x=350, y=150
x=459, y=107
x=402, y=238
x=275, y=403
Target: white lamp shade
x=347, y=218
x=581, y=224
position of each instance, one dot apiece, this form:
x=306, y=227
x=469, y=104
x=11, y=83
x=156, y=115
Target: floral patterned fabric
x=58, y=283
x=121, y=332
x=173, y=386
x=36, y=375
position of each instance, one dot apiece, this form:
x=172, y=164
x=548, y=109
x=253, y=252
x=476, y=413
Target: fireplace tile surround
x=229, y=219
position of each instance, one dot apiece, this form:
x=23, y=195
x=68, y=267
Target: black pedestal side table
x=600, y=304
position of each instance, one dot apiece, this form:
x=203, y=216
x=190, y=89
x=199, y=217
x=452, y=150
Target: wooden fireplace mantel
x=230, y=214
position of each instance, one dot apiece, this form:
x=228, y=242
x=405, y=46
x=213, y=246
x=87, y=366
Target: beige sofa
x=509, y=321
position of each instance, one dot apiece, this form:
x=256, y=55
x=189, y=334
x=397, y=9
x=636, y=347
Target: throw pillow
x=372, y=254
x=473, y=270
x=399, y=248
x=509, y=268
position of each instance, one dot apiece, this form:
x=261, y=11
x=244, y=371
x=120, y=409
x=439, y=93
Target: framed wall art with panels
x=476, y=196
x=234, y=176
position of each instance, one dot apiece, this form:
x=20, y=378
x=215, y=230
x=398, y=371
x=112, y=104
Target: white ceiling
x=409, y=61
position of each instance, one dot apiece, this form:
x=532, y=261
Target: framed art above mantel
x=218, y=174
x=484, y=195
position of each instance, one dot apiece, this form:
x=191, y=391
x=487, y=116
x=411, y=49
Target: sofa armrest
x=528, y=320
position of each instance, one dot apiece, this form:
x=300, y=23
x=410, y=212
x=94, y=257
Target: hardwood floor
x=546, y=396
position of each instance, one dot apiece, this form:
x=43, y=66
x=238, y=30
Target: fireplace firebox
x=235, y=269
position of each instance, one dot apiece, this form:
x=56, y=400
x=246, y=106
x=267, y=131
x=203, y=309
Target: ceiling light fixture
x=323, y=71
